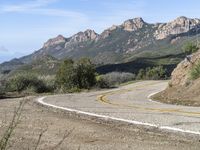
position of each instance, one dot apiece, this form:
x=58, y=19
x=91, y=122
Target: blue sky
x=26, y=24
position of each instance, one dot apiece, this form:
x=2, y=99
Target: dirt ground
x=82, y=134
x=182, y=89
x=181, y=95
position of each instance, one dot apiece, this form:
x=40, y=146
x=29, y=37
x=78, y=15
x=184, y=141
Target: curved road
x=131, y=104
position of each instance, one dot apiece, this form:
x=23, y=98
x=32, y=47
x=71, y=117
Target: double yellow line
x=103, y=98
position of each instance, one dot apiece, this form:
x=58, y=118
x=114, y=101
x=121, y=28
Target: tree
x=141, y=74
x=85, y=73
x=190, y=48
x=154, y=73
x=65, y=76
x=2, y=91
x=76, y=75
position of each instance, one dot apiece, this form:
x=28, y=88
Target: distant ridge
x=134, y=38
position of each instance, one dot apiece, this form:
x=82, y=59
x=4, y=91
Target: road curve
x=130, y=104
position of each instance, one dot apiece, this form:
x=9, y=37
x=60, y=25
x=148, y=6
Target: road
x=84, y=134
x=131, y=104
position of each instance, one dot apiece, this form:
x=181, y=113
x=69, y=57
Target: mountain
x=123, y=43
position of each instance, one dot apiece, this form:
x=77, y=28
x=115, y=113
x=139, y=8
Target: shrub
x=102, y=83
x=155, y=73
x=195, y=71
x=65, y=76
x=85, y=73
x=50, y=83
x=2, y=88
x=26, y=82
x=141, y=74
x=115, y=78
x=190, y=48
x=2, y=91
x=76, y=75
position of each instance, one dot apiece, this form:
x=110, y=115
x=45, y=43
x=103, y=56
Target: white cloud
x=26, y=6
x=40, y=7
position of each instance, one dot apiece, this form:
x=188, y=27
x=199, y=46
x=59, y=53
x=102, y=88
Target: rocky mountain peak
x=54, y=41
x=91, y=34
x=133, y=24
x=84, y=36
x=179, y=25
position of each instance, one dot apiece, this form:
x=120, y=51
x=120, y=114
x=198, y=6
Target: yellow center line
x=103, y=98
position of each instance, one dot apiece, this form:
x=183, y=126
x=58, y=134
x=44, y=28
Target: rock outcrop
x=160, y=31
x=180, y=76
x=54, y=41
x=178, y=26
x=133, y=24
x=84, y=36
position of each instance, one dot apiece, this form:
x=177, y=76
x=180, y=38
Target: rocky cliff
x=181, y=75
x=178, y=26
x=55, y=41
x=159, y=31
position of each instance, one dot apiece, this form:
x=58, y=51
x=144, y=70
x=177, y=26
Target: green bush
x=65, y=76
x=26, y=82
x=141, y=74
x=195, y=71
x=190, y=48
x=49, y=82
x=155, y=73
x=2, y=91
x=102, y=83
x=85, y=74
x=2, y=88
x=76, y=75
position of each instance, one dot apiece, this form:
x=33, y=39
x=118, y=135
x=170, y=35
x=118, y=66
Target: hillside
x=184, y=88
x=119, y=44
x=43, y=65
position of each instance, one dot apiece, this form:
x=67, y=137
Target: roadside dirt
x=182, y=90
x=83, y=134
x=181, y=95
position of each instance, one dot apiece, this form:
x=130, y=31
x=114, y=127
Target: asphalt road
x=131, y=104
x=83, y=134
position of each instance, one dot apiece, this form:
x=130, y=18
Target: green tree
x=141, y=74
x=2, y=91
x=190, y=48
x=86, y=75
x=76, y=75
x=65, y=76
x=155, y=73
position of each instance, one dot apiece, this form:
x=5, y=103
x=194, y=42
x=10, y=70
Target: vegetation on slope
x=154, y=73
x=190, y=48
x=195, y=71
x=29, y=83
x=114, y=79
